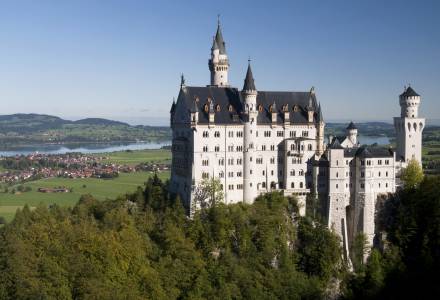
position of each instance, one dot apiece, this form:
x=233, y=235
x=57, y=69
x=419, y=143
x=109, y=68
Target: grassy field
x=136, y=157
x=100, y=188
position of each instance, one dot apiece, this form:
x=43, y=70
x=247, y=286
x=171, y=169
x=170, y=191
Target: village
x=35, y=166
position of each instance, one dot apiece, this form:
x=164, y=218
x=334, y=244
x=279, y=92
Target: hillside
x=28, y=129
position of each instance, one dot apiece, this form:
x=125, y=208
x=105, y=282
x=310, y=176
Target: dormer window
x=230, y=108
x=295, y=108
x=206, y=107
x=271, y=108
x=260, y=108
x=217, y=108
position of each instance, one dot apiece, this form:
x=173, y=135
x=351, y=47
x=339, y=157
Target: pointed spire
x=214, y=44
x=249, y=84
x=351, y=126
x=173, y=106
x=219, y=38
x=319, y=115
x=182, y=80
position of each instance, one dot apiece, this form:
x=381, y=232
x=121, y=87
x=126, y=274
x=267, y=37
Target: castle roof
x=249, y=84
x=409, y=92
x=230, y=104
x=351, y=126
x=218, y=40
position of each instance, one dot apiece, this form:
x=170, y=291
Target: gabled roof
x=249, y=84
x=335, y=144
x=370, y=152
x=231, y=110
x=409, y=92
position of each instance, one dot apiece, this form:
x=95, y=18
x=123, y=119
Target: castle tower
x=219, y=62
x=249, y=95
x=352, y=133
x=320, y=131
x=409, y=127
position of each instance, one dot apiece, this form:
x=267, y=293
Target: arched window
x=309, y=147
x=301, y=185
x=230, y=108
x=292, y=185
x=206, y=107
x=217, y=108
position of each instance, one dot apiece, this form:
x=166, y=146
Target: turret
x=320, y=133
x=219, y=62
x=249, y=92
x=352, y=132
x=310, y=107
x=249, y=96
x=409, y=102
x=409, y=127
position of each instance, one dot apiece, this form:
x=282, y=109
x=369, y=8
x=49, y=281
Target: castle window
x=301, y=173
x=271, y=172
x=217, y=148
x=280, y=133
x=205, y=134
x=206, y=107
x=295, y=108
x=379, y=174
x=292, y=185
x=337, y=185
x=270, y=108
x=205, y=148
x=231, y=134
x=263, y=147
x=293, y=134
x=292, y=147
x=309, y=147
x=272, y=160
x=386, y=174
x=230, y=108
x=362, y=186
x=301, y=185
x=205, y=175
x=387, y=162
x=221, y=162
x=238, y=174
x=337, y=174
x=239, y=161
x=292, y=172
x=362, y=174
x=217, y=134
x=272, y=147
x=239, y=186
x=379, y=162
x=230, y=174
x=263, y=184
x=205, y=162
x=386, y=184
x=260, y=108
x=217, y=108
x=263, y=173
x=221, y=174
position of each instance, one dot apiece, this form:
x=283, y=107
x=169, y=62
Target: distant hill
x=24, y=129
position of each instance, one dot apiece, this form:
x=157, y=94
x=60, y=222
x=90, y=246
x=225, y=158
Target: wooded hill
x=25, y=129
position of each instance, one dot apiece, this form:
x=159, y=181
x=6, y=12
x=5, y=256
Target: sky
x=122, y=60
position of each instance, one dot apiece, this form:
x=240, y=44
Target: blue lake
x=112, y=147
x=83, y=148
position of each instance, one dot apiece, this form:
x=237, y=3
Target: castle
x=256, y=141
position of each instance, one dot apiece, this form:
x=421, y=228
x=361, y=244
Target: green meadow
x=100, y=188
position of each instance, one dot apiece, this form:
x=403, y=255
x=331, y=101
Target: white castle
x=256, y=141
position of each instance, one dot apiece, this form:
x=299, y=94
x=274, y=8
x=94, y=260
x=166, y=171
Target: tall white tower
x=409, y=127
x=219, y=62
x=249, y=94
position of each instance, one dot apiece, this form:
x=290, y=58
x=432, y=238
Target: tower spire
x=249, y=84
x=219, y=62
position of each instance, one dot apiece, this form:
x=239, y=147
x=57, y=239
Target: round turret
x=409, y=102
x=352, y=132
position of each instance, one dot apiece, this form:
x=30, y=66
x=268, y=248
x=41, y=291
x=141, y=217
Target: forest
x=143, y=246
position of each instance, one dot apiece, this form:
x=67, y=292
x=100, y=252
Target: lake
x=83, y=148
x=112, y=147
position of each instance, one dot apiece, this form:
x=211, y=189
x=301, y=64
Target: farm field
x=133, y=158
x=99, y=188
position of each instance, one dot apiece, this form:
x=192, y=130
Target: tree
x=208, y=193
x=2, y=220
x=412, y=175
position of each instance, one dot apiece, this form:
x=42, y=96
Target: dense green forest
x=143, y=246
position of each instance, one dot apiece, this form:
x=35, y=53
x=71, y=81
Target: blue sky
x=122, y=59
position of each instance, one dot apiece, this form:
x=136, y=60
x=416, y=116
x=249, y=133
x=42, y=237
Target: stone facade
x=256, y=141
